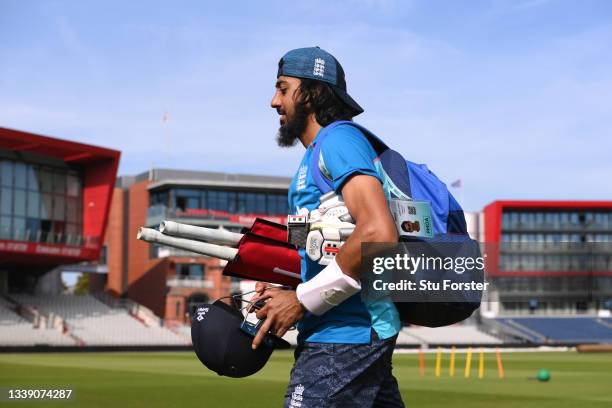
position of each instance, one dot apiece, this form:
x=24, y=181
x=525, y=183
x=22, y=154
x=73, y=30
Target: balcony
x=166, y=252
x=48, y=237
x=201, y=216
x=189, y=282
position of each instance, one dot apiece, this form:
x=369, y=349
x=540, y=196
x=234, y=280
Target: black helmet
x=222, y=341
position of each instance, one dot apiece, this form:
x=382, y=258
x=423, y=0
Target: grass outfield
x=178, y=380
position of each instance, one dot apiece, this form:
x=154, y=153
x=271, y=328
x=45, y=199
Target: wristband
x=327, y=289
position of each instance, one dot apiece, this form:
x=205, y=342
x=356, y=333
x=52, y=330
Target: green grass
x=178, y=380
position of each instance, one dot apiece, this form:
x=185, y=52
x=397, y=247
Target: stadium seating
x=17, y=331
x=551, y=330
x=94, y=323
x=450, y=335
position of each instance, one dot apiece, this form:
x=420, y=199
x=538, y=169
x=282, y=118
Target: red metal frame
x=100, y=169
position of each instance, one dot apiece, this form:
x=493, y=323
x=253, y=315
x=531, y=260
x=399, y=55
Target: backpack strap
x=316, y=161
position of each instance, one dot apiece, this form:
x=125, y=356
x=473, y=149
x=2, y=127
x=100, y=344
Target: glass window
x=19, y=227
x=6, y=173
x=5, y=228
x=193, y=202
x=73, y=185
x=242, y=203
x=231, y=202
x=271, y=206
x=574, y=218
x=33, y=183
x=283, y=204
x=6, y=201
x=33, y=229
x=260, y=203
x=19, y=202
x=196, y=271
x=213, y=200
x=514, y=219
x=45, y=179
x=539, y=218
x=186, y=198
x=46, y=209
x=222, y=200
x=552, y=219
x=59, y=182
x=529, y=220
x=59, y=207
x=20, y=175
x=505, y=220
x=159, y=198
x=250, y=203
x=33, y=204
x=72, y=232
x=72, y=209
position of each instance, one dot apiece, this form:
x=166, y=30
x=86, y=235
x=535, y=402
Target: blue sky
x=513, y=97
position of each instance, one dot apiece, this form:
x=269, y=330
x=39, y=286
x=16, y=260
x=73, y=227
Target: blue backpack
x=407, y=180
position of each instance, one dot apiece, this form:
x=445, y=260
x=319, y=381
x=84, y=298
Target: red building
x=549, y=257
x=170, y=281
x=55, y=198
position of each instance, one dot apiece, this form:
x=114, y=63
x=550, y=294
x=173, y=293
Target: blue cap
x=315, y=63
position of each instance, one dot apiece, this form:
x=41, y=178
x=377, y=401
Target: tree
x=82, y=285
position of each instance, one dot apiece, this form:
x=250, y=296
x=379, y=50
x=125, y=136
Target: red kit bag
x=265, y=255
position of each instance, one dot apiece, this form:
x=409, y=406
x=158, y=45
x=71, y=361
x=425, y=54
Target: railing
x=41, y=319
x=157, y=213
x=189, y=283
x=136, y=309
x=165, y=252
x=47, y=237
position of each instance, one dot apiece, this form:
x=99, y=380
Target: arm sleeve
x=346, y=152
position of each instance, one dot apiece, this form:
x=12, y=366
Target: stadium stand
x=94, y=323
x=456, y=334
x=559, y=330
x=17, y=331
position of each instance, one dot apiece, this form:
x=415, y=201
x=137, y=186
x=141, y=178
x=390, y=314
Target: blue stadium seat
x=561, y=329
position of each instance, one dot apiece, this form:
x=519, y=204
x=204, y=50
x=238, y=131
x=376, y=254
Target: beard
x=289, y=133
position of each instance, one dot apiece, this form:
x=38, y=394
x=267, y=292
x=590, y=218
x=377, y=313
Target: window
x=6, y=201
x=186, y=198
x=189, y=271
x=45, y=179
x=33, y=204
x=19, y=202
x=232, y=198
x=104, y=255
x=222, y=201
x=250, y=203
x=260, y=203
x=20, y=175
x=59, y=207
x=213, y=200
x=36, y=203
x=33, y=184
x=73, y=185
x=6, y=173
x=242, y=203
x=282, y=204
x=552, y=219
x=5, y=227
x=158, y=198
x=505, y=220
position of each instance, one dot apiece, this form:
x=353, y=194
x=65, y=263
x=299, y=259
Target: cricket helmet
x=222, y=339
